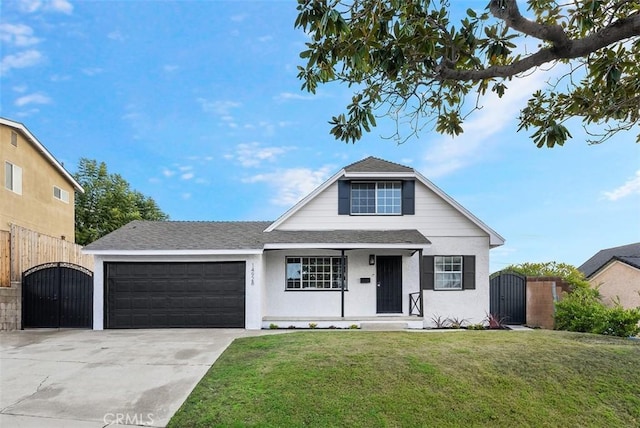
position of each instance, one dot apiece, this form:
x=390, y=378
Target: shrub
x=440, y=321
x=273, y=326
x=313, y=325
x=353, y=326
x=457, y=323
x=496, y=321
x=479, y=326
x=583, y=311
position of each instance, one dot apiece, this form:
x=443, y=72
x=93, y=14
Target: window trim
x=436, y=272
x=13, y=178
x=64, y=195
x=313, y=289
x=375, y=193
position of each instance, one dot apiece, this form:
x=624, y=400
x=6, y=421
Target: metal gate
x=508, y=297
x=57, y=295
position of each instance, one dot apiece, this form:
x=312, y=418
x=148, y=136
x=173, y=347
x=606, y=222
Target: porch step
x=384, y=326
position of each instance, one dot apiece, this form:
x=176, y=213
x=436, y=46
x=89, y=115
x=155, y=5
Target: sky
x=197, y=105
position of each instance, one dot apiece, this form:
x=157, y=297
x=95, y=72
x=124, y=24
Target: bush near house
x=583, y=311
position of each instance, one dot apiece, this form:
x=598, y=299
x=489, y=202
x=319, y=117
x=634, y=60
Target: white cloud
x=18, y=34
x=170, y=68
x=293, y=184
x=630, y=187
x=168, y=173
x=253, y=154
x=449, y=154
x=32, y=99
x=187, y=176
x=20, y=89
x=116, y=35
x=264, y=39
x=31, y=6
x=287, y=96
x=20, y=60
x=186, y=196
x=92, y=71
x=221, y=108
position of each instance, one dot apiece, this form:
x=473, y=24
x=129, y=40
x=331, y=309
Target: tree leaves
x=408, y=56
x=108, y=202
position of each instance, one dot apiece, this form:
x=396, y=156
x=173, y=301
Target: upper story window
x=382, y=197
x=13, y=177
x=60, y=194
x=14, y=138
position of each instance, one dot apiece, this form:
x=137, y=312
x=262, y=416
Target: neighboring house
x=377, y=242
x=37, y=192
x=616, y=271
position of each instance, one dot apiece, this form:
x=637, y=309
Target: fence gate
x=508, y=297
x=57, y=295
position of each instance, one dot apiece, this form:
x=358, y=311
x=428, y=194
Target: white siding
x=434, y=217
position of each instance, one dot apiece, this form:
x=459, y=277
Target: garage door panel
x=161, y=295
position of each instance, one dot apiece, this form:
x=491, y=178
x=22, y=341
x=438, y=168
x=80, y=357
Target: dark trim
x=408, y=197
x=344, y=197
x=420, y=268
x=428, y=271
x=468, y=272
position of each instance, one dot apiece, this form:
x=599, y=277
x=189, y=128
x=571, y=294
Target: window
x=13, y=178
x=448, y=272
x=14, y=138
x=384, y=197
x=60, y=194
x=314, y=273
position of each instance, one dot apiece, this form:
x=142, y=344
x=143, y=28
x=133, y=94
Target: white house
x=377, y=242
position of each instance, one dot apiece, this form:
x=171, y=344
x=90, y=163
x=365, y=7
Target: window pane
x=363, y=198
x=389, y=198
x=448, y=272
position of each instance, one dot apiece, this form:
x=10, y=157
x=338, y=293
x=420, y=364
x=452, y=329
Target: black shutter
x=428, y=277
x=469, y=273
x=344, y=197
x=408, y=197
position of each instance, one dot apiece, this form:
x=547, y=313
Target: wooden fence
x=22, y=249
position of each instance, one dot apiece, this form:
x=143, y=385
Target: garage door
x=157, y=295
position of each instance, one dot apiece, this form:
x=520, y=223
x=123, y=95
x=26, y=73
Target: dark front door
x=161, y=295
x=57, y=295
x=389, y=284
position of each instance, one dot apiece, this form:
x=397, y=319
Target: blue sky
x=196, y=104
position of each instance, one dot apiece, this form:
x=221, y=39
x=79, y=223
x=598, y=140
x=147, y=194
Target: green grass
x=397, y=379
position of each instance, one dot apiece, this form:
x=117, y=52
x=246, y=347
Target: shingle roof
x=235, y=235
x=629, y=254
x=373, y=164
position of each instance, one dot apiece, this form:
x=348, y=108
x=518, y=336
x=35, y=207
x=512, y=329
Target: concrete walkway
x=84, y=378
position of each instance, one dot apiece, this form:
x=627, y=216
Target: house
x=616, y=271
x=38, y=192
x=377, y=242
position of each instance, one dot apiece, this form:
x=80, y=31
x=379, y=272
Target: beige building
x=616, y=271
x=37, y=193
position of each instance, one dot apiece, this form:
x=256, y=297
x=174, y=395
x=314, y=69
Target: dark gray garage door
x=157, y=295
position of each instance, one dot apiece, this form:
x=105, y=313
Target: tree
x=108, y=202
x=408, y=56
x=567, y=272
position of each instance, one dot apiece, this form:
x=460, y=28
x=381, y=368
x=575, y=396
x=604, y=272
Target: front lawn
x=410, y=379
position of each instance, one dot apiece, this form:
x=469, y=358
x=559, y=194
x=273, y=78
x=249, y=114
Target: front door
x=389, y=284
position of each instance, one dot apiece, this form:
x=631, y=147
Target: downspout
x=342, y=263
x=420, y=286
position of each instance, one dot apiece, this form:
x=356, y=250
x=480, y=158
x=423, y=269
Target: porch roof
x=346, y=239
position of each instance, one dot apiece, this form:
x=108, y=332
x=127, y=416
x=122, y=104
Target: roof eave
x=346, y=246
x=234, y=252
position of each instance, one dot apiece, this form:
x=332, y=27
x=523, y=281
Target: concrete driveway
x=84, y=378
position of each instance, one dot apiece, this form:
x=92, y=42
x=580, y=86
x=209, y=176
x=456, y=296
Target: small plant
x=332, y=327
x=440, y=321
x=313, y=325
x=353, y=326
x=478, y=326
x=457, y=323
x=496, y=321
x=273, y=326
x=291, y=327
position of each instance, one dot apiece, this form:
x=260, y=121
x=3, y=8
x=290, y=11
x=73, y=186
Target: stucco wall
x=360, y=299
x=618, y=280
x=35, y=208
x=470, y=305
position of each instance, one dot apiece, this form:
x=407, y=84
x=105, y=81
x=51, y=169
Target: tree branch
x=620, y=30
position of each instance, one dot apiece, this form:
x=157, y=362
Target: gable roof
x=628, y=254
x=380, y=168
x=43, y=151
x=240, y=237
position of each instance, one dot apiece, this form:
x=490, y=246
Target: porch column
x=344, y=278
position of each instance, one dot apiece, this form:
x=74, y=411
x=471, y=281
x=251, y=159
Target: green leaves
x=409, y=58
x=108, y=202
